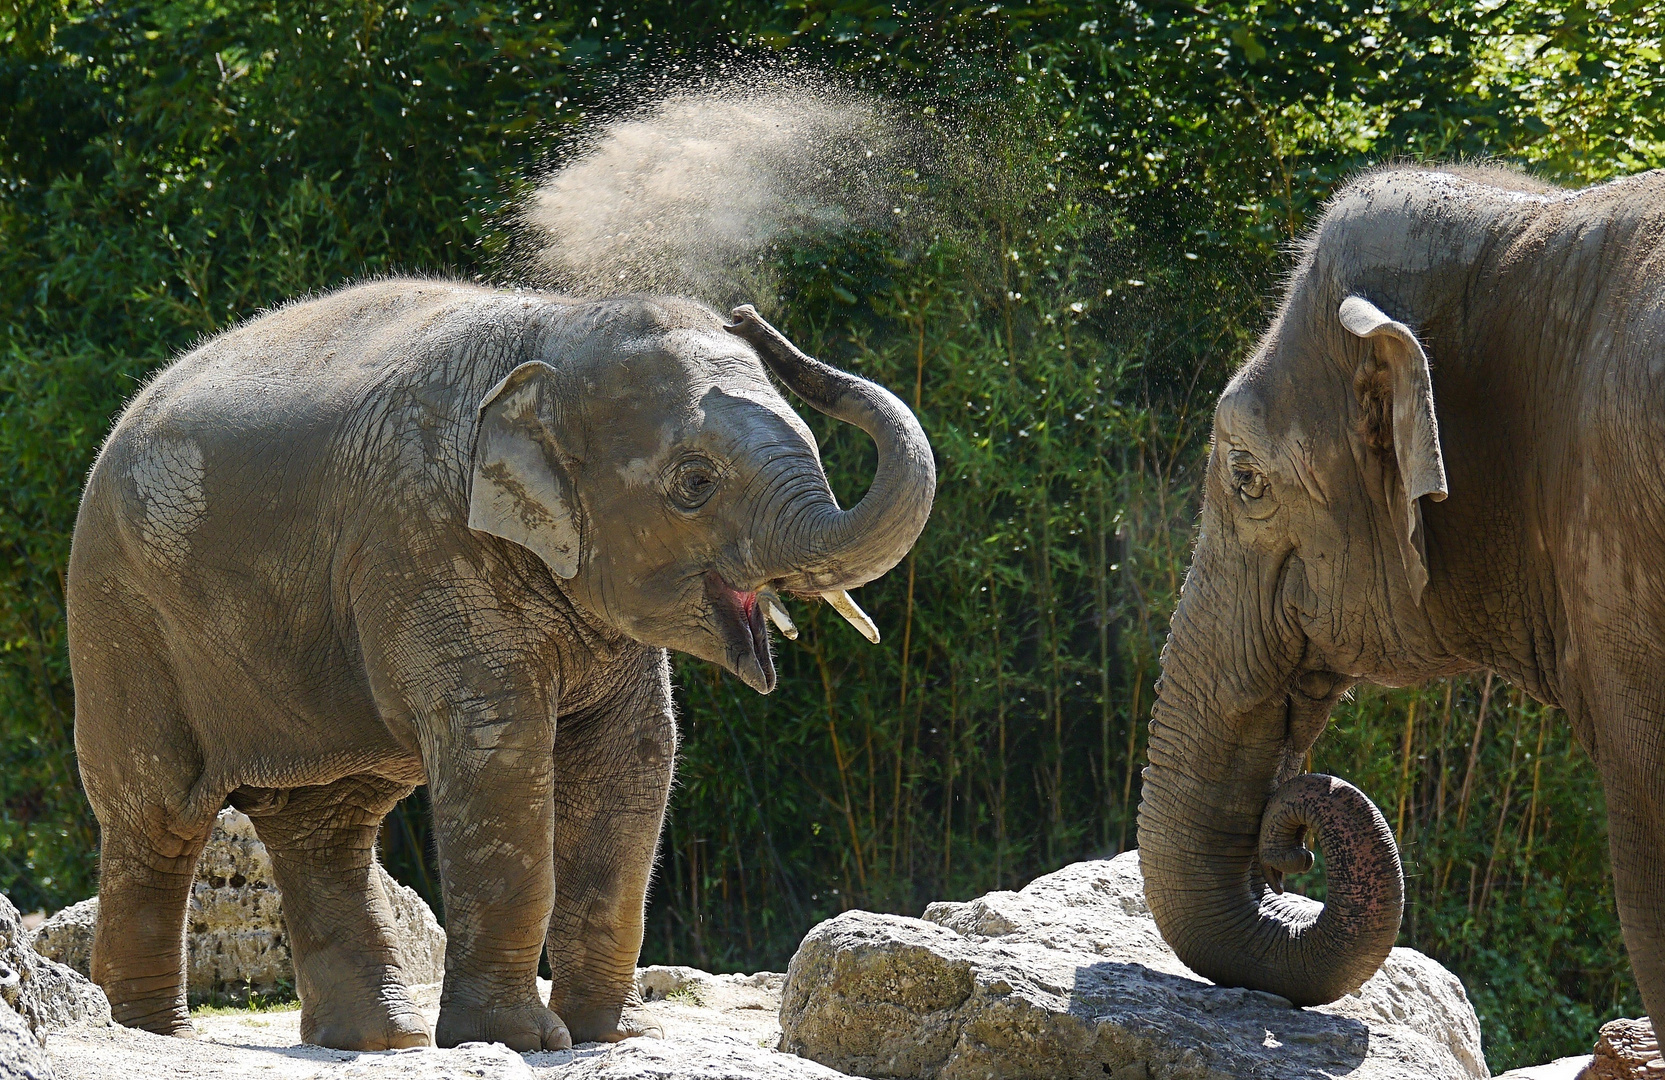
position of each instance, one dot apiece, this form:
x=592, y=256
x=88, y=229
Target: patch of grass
x=284, y=1000
x=686, y=995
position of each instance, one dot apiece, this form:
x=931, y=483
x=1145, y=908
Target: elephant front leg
x=612, y=781
x=493, y=821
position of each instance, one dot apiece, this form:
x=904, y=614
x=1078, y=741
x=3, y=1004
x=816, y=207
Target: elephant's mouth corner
x=738, y=618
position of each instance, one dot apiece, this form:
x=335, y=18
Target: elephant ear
x=1397, y=395
x=522, y=490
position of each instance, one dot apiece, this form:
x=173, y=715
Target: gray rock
x=47, y=995
x=1070, y=978
x=67, y=937
x=708, y=1058
x=235, y=937
x=475, y=1060
x=420, y=938
x=21, y=1056
x=44, y=996
x=662, y=983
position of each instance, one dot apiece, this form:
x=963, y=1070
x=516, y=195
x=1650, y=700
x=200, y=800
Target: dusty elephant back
x=275, y=399
x=245, y=496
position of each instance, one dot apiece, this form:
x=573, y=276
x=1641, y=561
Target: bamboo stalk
x=948, y=789
x=1532, y=805
x=1445, y=728
x=1405, y=771
x=1102, y=602
x=907, y=628
x=1000, y=721
x=1474, y=753
x=902, y=734
x=910, y=811
x=1468, y=781
x=1054, y=691
x=1132, y=741
x=838, y=754
x=1502, y=814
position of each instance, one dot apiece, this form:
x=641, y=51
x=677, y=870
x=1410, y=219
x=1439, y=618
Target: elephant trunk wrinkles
x=1217, y=832
x=831, y=549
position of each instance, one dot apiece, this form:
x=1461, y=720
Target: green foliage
x=1097, y=258
x=1502, y=827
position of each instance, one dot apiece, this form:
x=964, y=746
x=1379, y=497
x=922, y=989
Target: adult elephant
x=1444, y=454
x=419, y=532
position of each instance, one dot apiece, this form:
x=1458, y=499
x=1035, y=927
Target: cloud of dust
x=688, y=195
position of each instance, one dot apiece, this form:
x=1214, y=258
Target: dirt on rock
x=717, y=1027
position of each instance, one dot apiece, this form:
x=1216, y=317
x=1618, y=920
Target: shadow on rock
x=1070, y=978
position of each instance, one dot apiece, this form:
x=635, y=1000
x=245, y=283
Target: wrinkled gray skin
x=420, y=532
x=1363, y=520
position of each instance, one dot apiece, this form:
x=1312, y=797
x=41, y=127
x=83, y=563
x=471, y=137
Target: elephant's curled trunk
x=1217, y=895
x=838, y=549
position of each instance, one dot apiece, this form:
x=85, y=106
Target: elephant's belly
x=291, y=728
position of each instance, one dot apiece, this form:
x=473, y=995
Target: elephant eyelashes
x=1251, y=485
x=1246, y=477
x=693, y=482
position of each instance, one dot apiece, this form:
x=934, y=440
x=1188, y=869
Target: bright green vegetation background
x=167, y=168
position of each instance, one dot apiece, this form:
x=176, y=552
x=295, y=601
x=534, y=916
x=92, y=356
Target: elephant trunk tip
x=1232, y=923
x=1364, y=879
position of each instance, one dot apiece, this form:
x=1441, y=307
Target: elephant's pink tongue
x=741, y=619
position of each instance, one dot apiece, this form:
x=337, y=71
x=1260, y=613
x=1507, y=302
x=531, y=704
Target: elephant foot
x=172, y=1021
x=388, y=1020
x=613, y=1025
x=522, y=1028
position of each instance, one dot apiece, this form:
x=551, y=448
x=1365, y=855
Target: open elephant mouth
x=739, y=620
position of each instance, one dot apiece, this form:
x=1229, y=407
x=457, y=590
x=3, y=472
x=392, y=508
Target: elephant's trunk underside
x=1214, y=849
x=835, y=549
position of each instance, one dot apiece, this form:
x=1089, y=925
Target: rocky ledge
x=718, y=1027
x=1066, y=978
x=1070, y=978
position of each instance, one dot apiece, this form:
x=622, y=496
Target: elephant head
x=658, y=473
x=1310, y=572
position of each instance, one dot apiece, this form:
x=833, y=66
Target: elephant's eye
x=692, y=482
x=1246, y=478
x=1250, y=485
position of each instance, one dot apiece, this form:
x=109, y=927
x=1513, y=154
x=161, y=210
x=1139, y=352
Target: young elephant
x=418, y=532
x=1445, y=454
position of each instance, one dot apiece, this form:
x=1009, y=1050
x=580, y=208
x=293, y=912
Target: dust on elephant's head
x=1324, y=444
x=651, y=464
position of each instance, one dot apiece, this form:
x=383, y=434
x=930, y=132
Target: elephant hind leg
x=142, y=769
x=347, y=967
x=139, y=945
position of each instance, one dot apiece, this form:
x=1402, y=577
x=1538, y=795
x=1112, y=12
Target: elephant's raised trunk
x=1214, y=845
x=833, y=549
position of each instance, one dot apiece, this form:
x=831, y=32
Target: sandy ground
x=712, y=1017
x=717, y=1027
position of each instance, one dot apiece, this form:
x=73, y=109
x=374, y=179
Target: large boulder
x=1070, y=978
x=1626, y=1050
x=236, y=938
x=37, y=996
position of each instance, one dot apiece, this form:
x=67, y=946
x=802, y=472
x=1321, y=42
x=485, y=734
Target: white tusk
x=776, y=611
x=856, y=617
